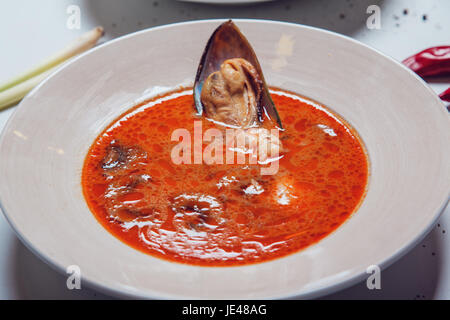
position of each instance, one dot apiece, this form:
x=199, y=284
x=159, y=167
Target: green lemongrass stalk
x=83, y=43
x=13, y=95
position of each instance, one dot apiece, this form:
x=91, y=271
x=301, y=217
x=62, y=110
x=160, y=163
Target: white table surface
x=31, y=30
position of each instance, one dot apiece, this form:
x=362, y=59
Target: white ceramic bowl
x=405, y=128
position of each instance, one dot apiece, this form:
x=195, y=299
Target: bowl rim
x=129, y=293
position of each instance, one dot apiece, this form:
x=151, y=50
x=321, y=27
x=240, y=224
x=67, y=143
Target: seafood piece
x=230, y=85
x=259, y=144
x=119, y=157
x=263, y=145
x=254, y=188
x=285, y=191
x=125, y=201
x=230, y=89
x=231, y=95
x=201, y=213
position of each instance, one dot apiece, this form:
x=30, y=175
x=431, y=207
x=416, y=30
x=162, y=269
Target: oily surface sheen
x=222, y=215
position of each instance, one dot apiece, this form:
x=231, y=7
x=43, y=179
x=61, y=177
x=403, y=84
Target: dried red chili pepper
x=445, y=95
x=430, y=62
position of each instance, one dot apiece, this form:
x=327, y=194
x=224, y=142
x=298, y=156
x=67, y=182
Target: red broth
x=212, y=215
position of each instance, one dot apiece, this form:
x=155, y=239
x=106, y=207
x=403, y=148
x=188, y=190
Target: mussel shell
x=227, y=42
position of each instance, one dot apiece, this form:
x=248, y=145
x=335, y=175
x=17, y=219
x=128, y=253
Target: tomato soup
x=223, y=214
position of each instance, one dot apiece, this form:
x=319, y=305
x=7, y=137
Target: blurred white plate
x=230, y=2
